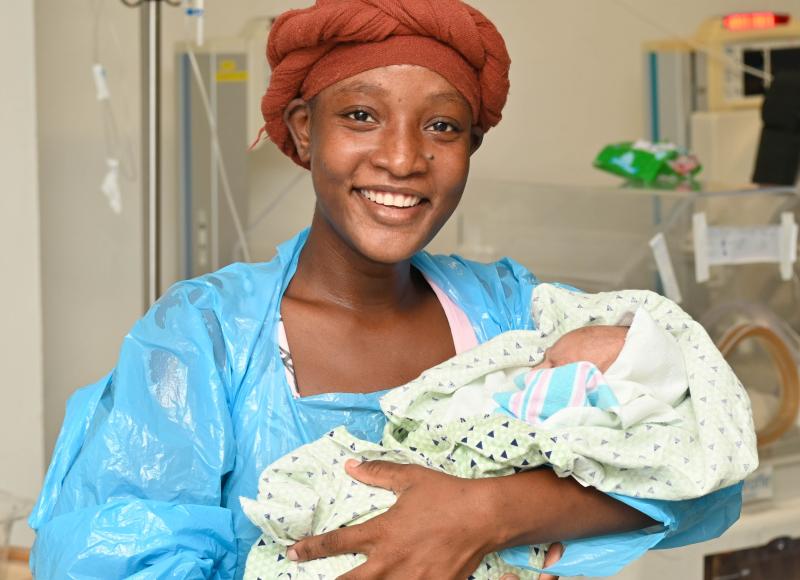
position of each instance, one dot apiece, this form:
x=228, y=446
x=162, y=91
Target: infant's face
x=599, y=345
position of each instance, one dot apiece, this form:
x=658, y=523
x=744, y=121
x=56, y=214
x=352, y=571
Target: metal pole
x=151, y=59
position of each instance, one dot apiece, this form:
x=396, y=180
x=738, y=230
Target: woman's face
x=389, y=151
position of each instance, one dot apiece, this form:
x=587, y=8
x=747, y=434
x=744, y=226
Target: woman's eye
x=443, y=127
x=360, y=116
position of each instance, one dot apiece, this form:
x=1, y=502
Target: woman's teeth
x=391, y=199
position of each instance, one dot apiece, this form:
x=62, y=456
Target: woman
x=384, y=101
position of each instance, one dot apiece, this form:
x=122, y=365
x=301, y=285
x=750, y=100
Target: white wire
x=271, y=206
x=115, y=147
x=223, y=171
x=713, y=54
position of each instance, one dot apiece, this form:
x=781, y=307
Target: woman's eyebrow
x=378, y=90
x=448, y=96
x=361, y=87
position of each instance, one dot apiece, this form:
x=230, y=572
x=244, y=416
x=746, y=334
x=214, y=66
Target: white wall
x=21, y=427
x=91, y=258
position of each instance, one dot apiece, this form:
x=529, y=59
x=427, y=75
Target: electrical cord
x=270, y=207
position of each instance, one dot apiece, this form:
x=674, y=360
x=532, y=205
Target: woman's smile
x=385, y=197
x=392, y=208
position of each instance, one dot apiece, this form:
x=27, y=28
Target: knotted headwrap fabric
x=316, y=47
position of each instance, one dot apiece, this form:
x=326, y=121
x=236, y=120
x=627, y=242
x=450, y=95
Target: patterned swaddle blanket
x=711, y=445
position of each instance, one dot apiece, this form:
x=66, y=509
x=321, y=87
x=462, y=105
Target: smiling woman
x=384, y=101
x=380, y=200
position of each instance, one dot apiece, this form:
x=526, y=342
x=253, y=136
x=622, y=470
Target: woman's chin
x=389, y=256
x=392, y=249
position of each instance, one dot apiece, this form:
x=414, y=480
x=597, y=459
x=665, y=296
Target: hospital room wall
x=21, y=393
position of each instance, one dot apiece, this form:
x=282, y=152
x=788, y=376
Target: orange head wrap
x=314, y=48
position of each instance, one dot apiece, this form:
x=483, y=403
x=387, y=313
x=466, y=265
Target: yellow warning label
x=228, y=72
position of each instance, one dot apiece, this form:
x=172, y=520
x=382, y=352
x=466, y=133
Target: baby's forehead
x=592, y=333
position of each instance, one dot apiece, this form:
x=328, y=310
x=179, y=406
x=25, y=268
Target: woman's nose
x=401, y=152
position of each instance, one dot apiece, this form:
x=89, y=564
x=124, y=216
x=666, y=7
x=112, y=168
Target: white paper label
x=744, y=245
x=716, y=246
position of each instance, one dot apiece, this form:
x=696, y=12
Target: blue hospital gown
x=151, y=461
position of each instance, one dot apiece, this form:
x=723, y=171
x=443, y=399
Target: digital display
x=754, y=20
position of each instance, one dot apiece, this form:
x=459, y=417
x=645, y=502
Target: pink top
x=464, y=337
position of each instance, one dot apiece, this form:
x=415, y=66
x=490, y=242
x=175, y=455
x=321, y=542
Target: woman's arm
x=134, y=486
x=539, y=507
x=442, y=526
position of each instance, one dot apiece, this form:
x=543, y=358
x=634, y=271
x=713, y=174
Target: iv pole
x=151, y=157
x=151, y=142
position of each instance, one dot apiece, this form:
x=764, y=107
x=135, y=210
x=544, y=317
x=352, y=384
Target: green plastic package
x=646, y=163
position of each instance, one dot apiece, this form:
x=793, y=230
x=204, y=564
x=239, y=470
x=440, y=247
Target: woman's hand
x=440, y=527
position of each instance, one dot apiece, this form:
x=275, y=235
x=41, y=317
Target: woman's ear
x=297, y=117
x=476, y=139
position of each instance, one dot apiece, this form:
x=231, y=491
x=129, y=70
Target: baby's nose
x=545, y=364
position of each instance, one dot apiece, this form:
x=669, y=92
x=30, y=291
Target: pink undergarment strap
x=464, y=337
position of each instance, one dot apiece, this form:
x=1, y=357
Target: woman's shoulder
x=243, y=285
x=455, y=267
x=238, y=283
x=244, y=293
x=499, y=291
x=235, y=284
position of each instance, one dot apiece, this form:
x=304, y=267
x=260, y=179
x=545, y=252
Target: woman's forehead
x=403, y=79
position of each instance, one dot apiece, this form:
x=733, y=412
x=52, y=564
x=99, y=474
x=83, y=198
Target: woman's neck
x=331, y=271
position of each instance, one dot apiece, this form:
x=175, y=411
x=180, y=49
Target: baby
x=606, y=403
x=604, y=375
x=570, y=376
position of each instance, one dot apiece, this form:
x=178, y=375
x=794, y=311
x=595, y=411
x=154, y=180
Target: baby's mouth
x=390, y=199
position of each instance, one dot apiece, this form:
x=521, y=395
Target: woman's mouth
x=390, y=199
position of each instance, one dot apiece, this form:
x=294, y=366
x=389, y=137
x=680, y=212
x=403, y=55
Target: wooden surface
x=18, y=571
x=18, y=564
x=778, y=560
